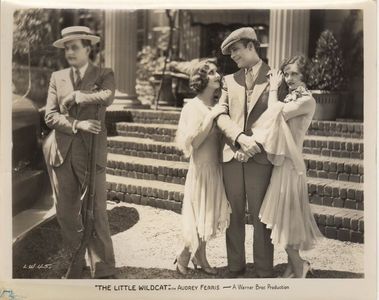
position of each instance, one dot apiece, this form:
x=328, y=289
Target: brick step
x=340, y=223
x=143, y=116
x=328, y=192
x=166, y=133
x=148, y=116
x=115, y=114
x=342, y=128
x=155, y=116
x=322, y=191
x=344, y=169
x=336, y=128
x=337, y=223
x=157, y=132
x=333, y=146
x=168, y=195
x=145, y=147
x=147, y=168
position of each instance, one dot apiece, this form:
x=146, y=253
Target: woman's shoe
x=206, y=269
x=292, y=275
x=306, y=268
x=182, y=270
x=288, y=272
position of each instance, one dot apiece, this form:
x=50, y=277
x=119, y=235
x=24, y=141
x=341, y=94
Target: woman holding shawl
x=281, y=130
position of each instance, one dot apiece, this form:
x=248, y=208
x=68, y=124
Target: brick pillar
x=288, y=36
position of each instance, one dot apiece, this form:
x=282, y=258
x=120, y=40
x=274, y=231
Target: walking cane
x=77, y=263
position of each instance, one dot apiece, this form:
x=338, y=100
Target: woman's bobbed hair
x=199, y=75
x=302, y=63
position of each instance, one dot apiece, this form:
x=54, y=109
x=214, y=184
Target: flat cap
x=237, y=35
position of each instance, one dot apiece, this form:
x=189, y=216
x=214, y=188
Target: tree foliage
x=327, y=69
x=34, y=31
x=149, y=61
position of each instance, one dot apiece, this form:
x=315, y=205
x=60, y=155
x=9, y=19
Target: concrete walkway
x=148, y=248
x=147, y=239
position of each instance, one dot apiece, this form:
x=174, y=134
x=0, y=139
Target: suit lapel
x=260, y=84
x=239, y=78
x=65, y=84
x=66, y=81
x=88, y=81
x=89, y=78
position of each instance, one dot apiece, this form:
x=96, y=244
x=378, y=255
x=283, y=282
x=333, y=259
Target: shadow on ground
x=122, y=218
x=42, y=255
x=156, y=273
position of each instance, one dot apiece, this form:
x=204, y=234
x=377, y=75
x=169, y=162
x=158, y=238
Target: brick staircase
x=144, y=167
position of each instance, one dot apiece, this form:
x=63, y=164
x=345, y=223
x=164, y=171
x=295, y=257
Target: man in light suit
x=246, y=169
x=74, y=96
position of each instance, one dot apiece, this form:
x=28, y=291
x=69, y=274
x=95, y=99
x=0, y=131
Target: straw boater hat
x=247, y=33
x=75, y=33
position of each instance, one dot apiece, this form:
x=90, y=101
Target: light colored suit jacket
x=97, y=89
x=241, y=115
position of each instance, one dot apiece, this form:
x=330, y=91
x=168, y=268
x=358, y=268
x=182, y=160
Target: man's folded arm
x=229, y=128
x=105, y=94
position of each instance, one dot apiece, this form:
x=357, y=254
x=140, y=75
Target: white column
x=288, y=36
x=121, y=53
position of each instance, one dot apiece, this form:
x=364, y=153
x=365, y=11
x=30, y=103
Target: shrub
x=327, y=70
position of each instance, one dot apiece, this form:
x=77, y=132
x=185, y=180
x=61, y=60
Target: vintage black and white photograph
x=189, y=144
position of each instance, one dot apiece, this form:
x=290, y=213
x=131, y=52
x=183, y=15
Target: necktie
x=249, y=79
x=78, y=80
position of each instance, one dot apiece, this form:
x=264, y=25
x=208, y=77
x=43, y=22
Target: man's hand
x=91, y=126
x=68, y=102
x=248, y=145
x=241, y=156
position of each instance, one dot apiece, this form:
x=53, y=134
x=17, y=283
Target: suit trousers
x=247, y=181
x=68, y=181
